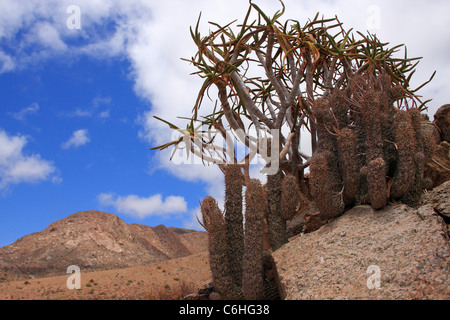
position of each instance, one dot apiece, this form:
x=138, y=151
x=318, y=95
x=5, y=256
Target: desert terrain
x=116, y=260
x=164, y=280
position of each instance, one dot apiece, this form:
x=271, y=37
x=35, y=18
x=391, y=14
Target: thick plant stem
x=214, y=223
x=275, y=224
x=234, y=180
x=253, y=267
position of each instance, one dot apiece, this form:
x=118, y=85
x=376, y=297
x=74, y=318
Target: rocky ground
x=395, y=253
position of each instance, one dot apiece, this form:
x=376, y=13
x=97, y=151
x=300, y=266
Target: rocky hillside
x=95, y=240
x=406, y=249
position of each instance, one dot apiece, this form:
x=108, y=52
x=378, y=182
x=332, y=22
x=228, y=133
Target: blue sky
x=45, y=105
x=77, y=105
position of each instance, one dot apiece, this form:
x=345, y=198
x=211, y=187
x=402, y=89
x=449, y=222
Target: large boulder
x=437, y=134
x=438, y=168
x=442, y=121
x=439, y=199
x=408, y=248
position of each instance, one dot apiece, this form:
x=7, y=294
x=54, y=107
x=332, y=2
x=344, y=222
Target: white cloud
x=101, y=101
x=16, y=168
x=104, y=114
x=154, y=35
x=22, y=114
x=142, y=207
x=97, y=108
x=79, y=138
x=48, y=36
x=36, y=30
x=165, y=80
x=6, y=63
x=79, y=113
x=192, y=221
x=158, y=70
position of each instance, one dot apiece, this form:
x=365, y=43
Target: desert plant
x=300, y=68
x=292, y=200
x=234, y=181
x=290, y=197
x=214, y=223
x=406, y=147
x=372, y=149
x=347, y=153
x=283, y=198
x=380, y=148
x=275, y=223
x=253, y=268
x=424, y=149
x=245, y=280
x=274, y=78
x=328, y=194
x=376, y=180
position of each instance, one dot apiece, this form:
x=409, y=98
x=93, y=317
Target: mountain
x=95, y=240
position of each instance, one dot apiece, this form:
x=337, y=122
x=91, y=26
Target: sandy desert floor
x=167, y=280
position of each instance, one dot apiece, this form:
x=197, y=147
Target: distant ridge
x=95, y=240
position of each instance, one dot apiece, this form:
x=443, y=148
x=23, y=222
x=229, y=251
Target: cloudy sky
x=81, y=80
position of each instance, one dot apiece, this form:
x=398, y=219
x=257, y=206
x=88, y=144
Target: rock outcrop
x=438, y=168
x=442, y=121
x=439, y=199
x=408, y=248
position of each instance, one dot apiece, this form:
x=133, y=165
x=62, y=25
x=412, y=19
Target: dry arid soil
x=172, y=279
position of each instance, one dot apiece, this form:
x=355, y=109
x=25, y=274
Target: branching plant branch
x=296, y=64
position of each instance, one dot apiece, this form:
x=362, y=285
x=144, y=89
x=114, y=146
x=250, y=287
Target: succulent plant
x=214, y=223
x=349, y=91
x=275, y=223
x=234, y=181
x=253, y=268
